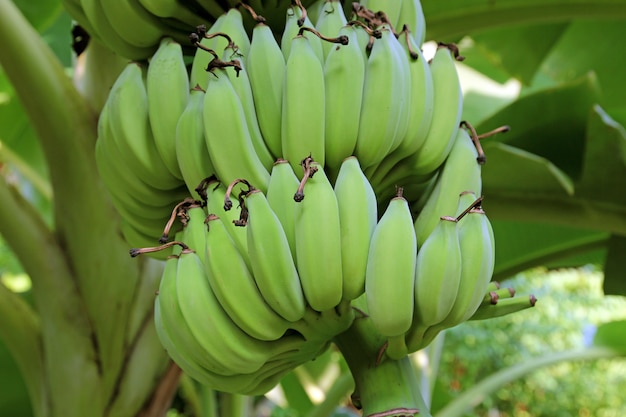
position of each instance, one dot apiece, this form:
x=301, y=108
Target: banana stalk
x=383, y=387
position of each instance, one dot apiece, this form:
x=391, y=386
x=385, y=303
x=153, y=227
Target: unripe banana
x=227, y=135
x=167, y=86
x=215, y=195
x=174, y=332
x=504, y=307
x=214, y=329
x=235, y=288
x=461, y=172
x=331, y=19
x=283, y=183
x=195, y=230
x=437, y=273
x=127, y=107
x=344, y=74
x=380, y=109
x=421, y=108
x=191, y=150
x=302, y=132
x=318, y=242
x=390, y=8
x=230, y=23
x=358, y=215
x=273, y=267
x=412, y=15
x=390, y=276
x=241, y=84
x=448, y=105
x=477, y=260
x=292, y=26
x=266, y=70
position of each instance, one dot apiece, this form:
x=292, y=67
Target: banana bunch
x=287, y=173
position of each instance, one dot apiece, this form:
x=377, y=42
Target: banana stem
x=388, y=388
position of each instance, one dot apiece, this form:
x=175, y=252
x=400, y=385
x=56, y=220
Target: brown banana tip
x=532, y=299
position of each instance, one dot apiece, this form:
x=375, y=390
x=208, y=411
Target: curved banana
x=412, y=15
x=447, y=108
x=383, y=93
x=227, y=135
x=194, y=233
x=127, y=107
x=273, y=266
x=234, y=286
x=344, y=75
x=212, y=327
x=331, y=19
x=358, y=214
x=390, y=8
x=461, y=172
x=391, y=264
x=191, y=150
x=241, y=84
x=302, y=132
x=266, y=70
x=290, y=31
x=283, y=183
x=167, y=86
x=230, y=23
x=421, y=108
x=215, y=195
x=133, y=23
x=477, y=260
x=318, y=242
x=438, y=273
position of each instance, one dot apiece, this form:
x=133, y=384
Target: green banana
x=390, y=8
x=447, y=108
x=214, y=329
x=477, y=260
x=331, y=19
x=421, y=109
x=215, y=195
x=133, y=23
x=266, y=70
x=273, y=266
x=383, y=95
x=174, y=331
x=504, y=307
x=283, y=183
x=191, y=150
x=358, y=214
x=232, y=282
x=227, y=135
x=318, y=241
x=438, y=273
x=391, y=265
x=290, y=31
x=412, y=15
x=344, y=74
x=461, y=172
x=127, y=107
x=230, y=23
x=167, y=86
x=241, y=84
x=195, y=229
x=302, y=132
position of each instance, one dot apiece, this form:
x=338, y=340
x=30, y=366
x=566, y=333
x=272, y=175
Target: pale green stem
x=477, y=394
x=40, y=183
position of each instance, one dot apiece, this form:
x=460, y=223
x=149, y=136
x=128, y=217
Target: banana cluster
x=355, y=182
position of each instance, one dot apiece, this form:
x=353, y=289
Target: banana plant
x=83, y=339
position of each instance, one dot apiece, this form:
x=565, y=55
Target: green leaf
x=615, y=265
x=590, y=46
x=452, y=19
x=512, y=169
x=604, y=164
x=524, y=245
x=611, y=335
x=550, y=123
x=519, y=51
x=40, y=13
